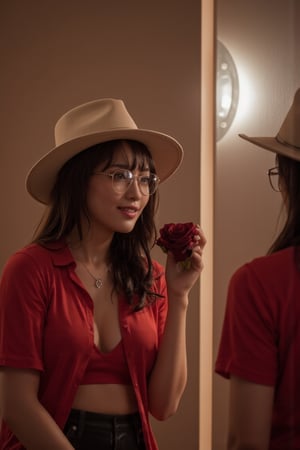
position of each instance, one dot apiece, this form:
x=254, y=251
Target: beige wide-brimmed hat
x=287, y=141
x=93, y=123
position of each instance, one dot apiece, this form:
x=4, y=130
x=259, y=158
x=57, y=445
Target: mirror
x=264, y=42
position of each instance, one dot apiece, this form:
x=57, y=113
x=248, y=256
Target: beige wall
x=264, y=40
x=55, y=55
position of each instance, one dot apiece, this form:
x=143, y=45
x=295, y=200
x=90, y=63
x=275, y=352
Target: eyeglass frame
x=274, y=171
x=130, y=180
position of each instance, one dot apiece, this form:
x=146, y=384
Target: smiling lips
x=129, y=211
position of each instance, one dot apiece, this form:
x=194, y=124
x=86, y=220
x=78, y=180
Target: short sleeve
x=22, y=313
x=248, y=346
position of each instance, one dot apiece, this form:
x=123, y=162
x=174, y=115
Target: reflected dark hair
x=129, y=254
x=289, y=178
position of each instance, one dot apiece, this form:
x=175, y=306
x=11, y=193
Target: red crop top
x=107, y=368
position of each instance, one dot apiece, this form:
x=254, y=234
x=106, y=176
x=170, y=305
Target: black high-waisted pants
x=93, y=431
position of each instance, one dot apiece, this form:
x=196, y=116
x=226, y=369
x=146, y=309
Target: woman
x=93, y=334
x=260, y=343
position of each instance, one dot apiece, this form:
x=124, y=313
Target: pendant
x=98, y=283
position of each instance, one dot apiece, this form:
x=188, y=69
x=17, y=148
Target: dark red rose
x=178, y=238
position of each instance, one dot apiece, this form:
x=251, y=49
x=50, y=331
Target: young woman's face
x=282, y=183
x=110, y=210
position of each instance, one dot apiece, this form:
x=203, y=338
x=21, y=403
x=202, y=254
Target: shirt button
x=74, y=427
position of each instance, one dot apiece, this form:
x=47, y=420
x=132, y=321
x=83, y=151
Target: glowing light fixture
x=227, y=90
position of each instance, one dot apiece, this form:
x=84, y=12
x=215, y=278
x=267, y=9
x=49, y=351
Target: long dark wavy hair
x=129, y=254
x=289, y=179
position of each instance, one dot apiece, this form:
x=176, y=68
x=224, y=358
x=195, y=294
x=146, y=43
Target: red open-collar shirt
x=46, y=324
x=260, y=340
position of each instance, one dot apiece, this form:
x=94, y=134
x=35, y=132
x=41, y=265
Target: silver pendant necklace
x=98, y=281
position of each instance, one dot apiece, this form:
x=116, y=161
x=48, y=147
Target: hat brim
x=272, y=144
x=166, y=152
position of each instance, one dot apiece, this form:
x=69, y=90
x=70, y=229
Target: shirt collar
x=60, y=253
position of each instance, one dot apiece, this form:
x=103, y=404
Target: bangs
x=142, y=159
x=141, y=156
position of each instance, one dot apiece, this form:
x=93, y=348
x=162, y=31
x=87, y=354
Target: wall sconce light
x=227, y=90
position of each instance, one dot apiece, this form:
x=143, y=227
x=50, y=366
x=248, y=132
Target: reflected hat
x=287, y=141
x=93, y=123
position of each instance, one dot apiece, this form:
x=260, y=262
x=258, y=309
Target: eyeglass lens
x=122, y=179
x=274, y=179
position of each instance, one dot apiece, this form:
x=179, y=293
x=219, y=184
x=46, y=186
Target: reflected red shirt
x=261, y=337
x=44, y=307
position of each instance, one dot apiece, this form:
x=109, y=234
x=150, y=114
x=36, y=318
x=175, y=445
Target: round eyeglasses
x=274, y=180
x=122, y=179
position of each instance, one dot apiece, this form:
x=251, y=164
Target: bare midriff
x=106, y=399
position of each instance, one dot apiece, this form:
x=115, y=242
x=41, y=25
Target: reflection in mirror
x=246, y=208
